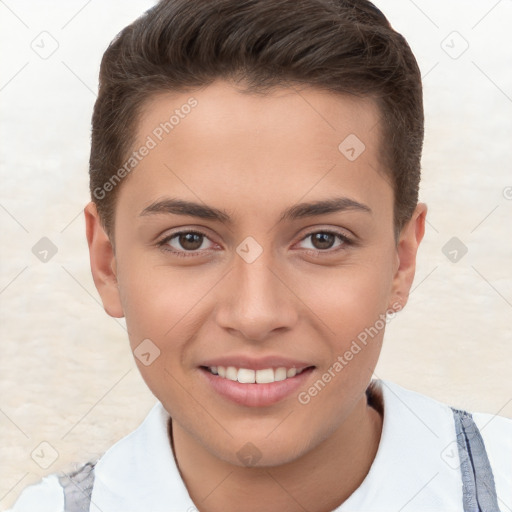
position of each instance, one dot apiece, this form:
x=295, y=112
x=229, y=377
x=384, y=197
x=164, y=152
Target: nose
x=256, y=301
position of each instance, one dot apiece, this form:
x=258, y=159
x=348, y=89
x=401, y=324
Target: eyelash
x=346, y=241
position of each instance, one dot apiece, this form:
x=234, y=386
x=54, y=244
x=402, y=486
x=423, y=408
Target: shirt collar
x=408, y=473
x=139, y=472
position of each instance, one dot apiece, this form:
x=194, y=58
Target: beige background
x=67, y=374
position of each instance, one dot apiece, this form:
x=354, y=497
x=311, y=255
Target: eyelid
x=343, y=236
x=347, y=240
x=162, y=242
x=343, y=232
x=169, y=233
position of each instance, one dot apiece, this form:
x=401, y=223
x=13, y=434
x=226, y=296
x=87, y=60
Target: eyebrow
x=299, y=211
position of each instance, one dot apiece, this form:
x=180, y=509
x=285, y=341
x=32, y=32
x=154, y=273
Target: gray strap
x=478, y=487
x=77, y=488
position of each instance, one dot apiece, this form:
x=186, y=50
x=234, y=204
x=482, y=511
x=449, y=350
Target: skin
x=253, y=156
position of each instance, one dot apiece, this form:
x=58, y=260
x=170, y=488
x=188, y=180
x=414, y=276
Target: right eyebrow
x=182, y=207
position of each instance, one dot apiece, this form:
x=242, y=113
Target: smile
x=248, y=376
x=260, y=387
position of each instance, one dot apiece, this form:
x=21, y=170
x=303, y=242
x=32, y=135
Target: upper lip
x=253, y=363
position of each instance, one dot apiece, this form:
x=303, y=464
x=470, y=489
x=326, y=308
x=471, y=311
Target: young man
x=255, y=218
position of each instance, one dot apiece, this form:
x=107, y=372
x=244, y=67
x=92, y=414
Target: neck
x=320, y=480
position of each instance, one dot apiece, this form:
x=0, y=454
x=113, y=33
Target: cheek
x=352, y=306
x=353, y=313
x=162, y=304
x=159, y=309
x=351, y=298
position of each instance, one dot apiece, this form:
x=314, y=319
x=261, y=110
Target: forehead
x=258, y=149
x=225, y=113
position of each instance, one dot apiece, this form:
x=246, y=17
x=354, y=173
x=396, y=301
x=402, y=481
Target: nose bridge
x=257, y=301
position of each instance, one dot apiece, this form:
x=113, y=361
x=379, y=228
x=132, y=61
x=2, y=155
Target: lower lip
x=256, y=395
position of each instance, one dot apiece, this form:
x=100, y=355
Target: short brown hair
x=341, y=46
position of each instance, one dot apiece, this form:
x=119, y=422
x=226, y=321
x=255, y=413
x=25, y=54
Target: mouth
x=250, y=376
x=252, y=387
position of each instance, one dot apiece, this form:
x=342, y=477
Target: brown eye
x=190, y=241
x=323, y=240
x=326, y=241
x=186, y=243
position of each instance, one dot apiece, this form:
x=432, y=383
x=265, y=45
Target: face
x=225, y=269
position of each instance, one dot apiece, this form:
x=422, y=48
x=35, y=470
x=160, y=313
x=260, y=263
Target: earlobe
x=103, y=262
x=408, y=243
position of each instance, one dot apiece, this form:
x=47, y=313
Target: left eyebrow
x=336, y=204
x=302, y=210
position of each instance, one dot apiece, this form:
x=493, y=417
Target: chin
x=263, y=453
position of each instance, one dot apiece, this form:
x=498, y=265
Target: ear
x=407, y=248
x=103, y=262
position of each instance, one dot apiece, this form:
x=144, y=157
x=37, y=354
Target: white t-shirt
x=416, y=468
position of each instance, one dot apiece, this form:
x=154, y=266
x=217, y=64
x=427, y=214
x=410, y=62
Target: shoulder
x=496, y=432
x=110, y=476
x=438, y=417
x=44, y=496
x=58, y=491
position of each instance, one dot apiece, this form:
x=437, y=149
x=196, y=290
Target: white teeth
x=265, y=376
x=231, y=373
x=280, y=374
x=247, y=376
